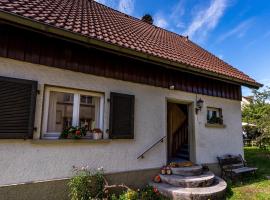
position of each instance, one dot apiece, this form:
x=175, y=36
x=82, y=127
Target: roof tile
x=95, y=20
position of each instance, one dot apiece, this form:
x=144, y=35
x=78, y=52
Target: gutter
x=39, y=26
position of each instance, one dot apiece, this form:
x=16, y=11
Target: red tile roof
x=94, y=20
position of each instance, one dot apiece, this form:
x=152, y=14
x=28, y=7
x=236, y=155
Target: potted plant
x=97, y=134
x=73, y=133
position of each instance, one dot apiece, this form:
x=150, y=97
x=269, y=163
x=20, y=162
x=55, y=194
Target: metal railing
x=142, y=155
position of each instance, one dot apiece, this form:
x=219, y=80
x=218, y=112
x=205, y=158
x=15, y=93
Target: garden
x=253, y=187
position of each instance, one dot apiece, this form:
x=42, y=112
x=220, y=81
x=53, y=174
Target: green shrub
x=150, y=193
x=147, y=193
x=129, y=195
x=86, y=184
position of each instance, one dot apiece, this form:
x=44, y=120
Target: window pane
x=60, y=111
x=89, y=112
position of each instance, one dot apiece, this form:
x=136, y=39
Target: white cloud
x=101, y=1
x=265, y=82
x=177, y=12
x=206, y=19
x=110, y=3
x=238, y=31
x=160, y=21
x=220, y=56
x=126, y=6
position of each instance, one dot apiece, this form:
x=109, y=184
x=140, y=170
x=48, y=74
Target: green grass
x=253, y=187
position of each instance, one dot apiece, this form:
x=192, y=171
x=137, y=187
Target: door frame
x=191, y=127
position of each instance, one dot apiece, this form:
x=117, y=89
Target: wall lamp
x=199, y=105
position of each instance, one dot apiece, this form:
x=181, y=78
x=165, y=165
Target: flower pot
x=97, y=136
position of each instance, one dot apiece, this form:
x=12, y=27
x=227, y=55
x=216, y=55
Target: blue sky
x=237, y=31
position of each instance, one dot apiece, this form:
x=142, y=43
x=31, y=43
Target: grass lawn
x=254, y=186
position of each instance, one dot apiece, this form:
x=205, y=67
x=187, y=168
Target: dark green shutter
x=121, y=116
x=17, y=108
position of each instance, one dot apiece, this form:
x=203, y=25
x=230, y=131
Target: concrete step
x=203, y=180
x=188, y=171
x=215, y=191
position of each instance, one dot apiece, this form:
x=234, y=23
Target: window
x=64, y=108
x=214, y=116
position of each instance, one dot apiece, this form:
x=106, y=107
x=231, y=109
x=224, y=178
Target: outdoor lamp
x=199, y=105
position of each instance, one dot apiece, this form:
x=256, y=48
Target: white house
x=155, y=95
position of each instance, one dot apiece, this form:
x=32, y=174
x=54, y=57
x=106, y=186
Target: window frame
x=76, y=108
x=219, y=115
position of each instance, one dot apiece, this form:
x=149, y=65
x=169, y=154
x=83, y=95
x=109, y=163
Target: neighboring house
x=246, y=101
x=80, y=63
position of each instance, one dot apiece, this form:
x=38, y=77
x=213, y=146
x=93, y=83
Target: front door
x=177, y=132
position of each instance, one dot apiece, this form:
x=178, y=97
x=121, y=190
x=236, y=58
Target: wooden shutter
x=17, y=108
x=121, y=116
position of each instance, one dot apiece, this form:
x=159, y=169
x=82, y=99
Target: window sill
x=215, y=125
x=71, y=141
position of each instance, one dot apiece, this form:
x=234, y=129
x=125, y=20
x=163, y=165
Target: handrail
x=160, y=140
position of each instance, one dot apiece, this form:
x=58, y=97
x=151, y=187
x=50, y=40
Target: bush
x=92, y=185
x=129, y=195
x=86, y=184
x=148, y=193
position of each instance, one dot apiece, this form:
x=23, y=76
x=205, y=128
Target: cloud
x=110, y=3
x=101, y=1
x=238, y=31
x=126, y=6
x=265, y=82
x=206, y=19
x=160, y=21
x=177, y=12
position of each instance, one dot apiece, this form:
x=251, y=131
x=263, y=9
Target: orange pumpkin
x=157, y=179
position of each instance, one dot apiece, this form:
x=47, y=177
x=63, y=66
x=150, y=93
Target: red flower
x=156, y=190
x=78, y=132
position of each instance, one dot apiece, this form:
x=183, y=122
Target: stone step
x=215, y=191
x=182, y=155
x=188, y=171
x=184, y=150
x=203, y=180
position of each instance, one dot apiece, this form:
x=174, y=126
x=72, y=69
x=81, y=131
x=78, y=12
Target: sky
x=237, y=31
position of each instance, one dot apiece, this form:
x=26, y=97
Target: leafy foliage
x=73, y=132
x=148, y=19
x=86, y=184
x=147, y=193
x=150, y=193
x=258, y=111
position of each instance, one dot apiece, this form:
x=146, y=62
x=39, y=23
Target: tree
x=148, y=19
x=258, y=111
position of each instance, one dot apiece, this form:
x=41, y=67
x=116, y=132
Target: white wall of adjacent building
x=34, y=160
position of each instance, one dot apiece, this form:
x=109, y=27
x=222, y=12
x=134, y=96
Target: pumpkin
x=157, y=179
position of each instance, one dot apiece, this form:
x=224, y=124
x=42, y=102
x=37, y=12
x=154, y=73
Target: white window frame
x=76, y=108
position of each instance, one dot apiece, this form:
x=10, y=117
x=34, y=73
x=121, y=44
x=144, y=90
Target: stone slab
x=203, y=180
x=214, y=192
x=188, y=171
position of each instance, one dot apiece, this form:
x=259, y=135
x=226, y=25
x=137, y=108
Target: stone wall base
x=58, y=189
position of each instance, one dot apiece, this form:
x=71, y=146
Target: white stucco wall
x=22, y=161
